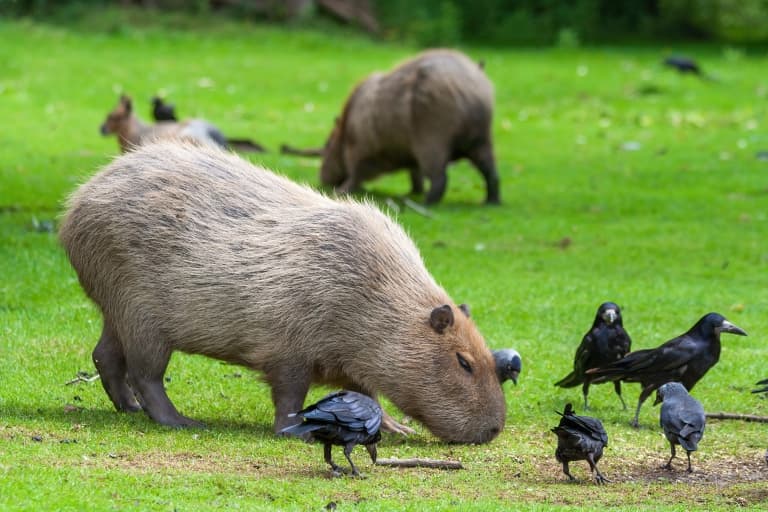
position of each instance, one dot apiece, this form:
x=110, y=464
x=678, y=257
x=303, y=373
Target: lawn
x=621, y=180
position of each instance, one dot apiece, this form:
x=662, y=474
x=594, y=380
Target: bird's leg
x=690, y=469
x=617, y=387
x=347, y=452
x=335, y=470
x=567, y=472
x=585, y=391
x=668, y=465
x=599, y=478
x=644, y=394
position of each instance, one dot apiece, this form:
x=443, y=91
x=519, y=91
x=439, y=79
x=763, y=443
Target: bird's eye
x=463, y=363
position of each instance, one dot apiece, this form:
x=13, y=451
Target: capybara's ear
x=441, y=318
x=126, y=102
x=465, y=309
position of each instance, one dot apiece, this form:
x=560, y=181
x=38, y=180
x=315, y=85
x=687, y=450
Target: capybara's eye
x=463, y=362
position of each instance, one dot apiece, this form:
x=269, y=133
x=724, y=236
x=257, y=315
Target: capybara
x=427, y=112
x=132, y=131
x=188, y=247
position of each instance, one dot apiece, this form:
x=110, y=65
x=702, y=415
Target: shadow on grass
x=106, y=419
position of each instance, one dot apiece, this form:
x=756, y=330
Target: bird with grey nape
x=580, y=438
x=344, y=418
x=508, y=364
x=682, y=418
x=605, y=342
x=684, y=359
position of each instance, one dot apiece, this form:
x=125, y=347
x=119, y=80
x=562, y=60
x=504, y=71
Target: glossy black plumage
x=683, y=359
x=509, y=364
x=683, y=64
x=763, y=389
x=162, y=111
x=682, y=418
x=344, y=418
x=580, y=438
x=605, y=342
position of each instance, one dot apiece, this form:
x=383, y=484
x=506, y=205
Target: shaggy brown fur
x=132, y=131
x=191, y=248
x=427, y=112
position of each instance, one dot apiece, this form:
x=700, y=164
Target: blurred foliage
x=499, y=22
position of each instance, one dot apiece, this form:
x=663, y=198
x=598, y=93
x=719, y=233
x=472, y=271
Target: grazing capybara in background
x=132, y=131
x=187, y=247
x=427, y=112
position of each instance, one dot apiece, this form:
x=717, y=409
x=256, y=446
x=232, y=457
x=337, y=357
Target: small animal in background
x=429, y=111
x=132, y=131
x=683, y=64
x=162, y=111
x=763, y=389
x=580, y=438
x=685, y=359
x=605, y=342
x=344, y=418
x=508, y=364
x=682, y=418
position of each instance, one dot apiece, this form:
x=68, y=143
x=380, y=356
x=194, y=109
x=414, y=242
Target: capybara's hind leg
x=433, y=166
x=109, y=359
x=146, y=367
x=482, y=157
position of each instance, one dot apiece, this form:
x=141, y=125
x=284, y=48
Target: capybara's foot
x=388, y=424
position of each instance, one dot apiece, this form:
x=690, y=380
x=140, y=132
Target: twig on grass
x=734, y=416
x=420, y=463
x=83, y=377
x=417, y=208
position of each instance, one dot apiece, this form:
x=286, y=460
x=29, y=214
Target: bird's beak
x=729, y=327
x=104, y=130
x=659, y=399
x=371, y=451
x=513, y=377
x=610, y=316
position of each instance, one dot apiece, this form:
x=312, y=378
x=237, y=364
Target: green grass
x=670, y=231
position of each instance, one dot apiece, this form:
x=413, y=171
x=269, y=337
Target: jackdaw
x=344, y=418
x=162, y=111
x=580, y=438
x=682, y=418
x=605, y=342
x=683, y=64
x=508, y=364
x=684, y=359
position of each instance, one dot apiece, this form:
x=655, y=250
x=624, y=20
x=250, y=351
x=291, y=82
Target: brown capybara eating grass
x=188, y=247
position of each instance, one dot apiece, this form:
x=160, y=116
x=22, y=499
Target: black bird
x=508, y=364
x=682, y=418
x=683, y=64
x=683, y=359
x=764, y=389
x=344, y=418
x=580, y=438
x=162, y=111
x=605, y=342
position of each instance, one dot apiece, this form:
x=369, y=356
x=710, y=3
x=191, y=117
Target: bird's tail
x=571, y=380
x=300, y=429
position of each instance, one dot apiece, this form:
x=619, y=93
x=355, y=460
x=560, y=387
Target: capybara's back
x=194, y=249
x=430, y=110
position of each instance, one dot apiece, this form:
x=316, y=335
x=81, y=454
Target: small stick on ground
x=417, y=208
x=82, y=378
x=420, y=463
x=733, y=416
x=393, y=205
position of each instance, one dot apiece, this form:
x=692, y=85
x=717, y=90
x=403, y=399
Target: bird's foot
x=388, y=424
x=634, y=424
x=690, y=469
x=336, y=473
x=600, y=479
x=667, y=466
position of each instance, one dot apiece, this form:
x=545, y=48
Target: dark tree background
x=432, y=22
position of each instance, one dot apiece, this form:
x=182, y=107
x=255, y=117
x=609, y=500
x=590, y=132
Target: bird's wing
x=351, y=410
x=591, y=427
x=583, y=354
x=675, y=353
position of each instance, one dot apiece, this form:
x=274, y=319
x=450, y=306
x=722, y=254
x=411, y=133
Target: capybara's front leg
x=109, y=359
x=289, y=389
